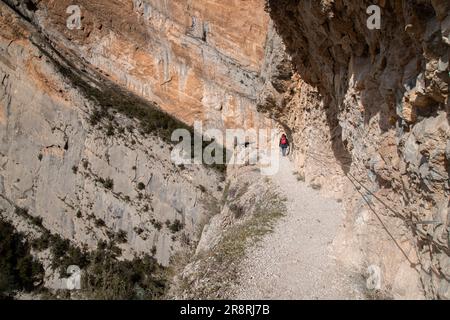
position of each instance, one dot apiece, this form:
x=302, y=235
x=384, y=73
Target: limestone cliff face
x=86, y=183
x=198, y=60
x=373, y=105
x=367, y=113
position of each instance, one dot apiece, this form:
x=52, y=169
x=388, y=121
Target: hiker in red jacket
x=284, y=144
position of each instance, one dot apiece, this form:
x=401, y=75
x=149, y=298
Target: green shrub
x=23, y=212
x=18, y=269
x=107, y=97
x=109, y=130
x=42, y=243
x=237, y=210
x=37, y=221
x=96, y=116
x=104, y=276
x=157, y=225
x=65, y=254
x=316, y=186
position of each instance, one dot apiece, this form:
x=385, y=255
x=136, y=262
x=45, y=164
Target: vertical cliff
x=87, y=115
x=196, y=60
x=368, y=111
x=84, y=159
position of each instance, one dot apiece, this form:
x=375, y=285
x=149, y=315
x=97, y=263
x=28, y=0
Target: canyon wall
x=86, y=117
x=368, y=112
x=198, y=60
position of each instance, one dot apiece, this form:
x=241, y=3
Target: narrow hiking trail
x=295, y=261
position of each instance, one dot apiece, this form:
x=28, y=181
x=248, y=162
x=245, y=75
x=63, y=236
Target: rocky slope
x=372, y=106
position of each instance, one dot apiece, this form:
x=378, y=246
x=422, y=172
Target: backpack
x=283, y=141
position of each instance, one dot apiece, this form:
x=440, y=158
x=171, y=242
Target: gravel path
x=295, y=261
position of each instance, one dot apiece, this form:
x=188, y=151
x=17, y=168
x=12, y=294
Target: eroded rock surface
x=197, y=60
x=86, y=183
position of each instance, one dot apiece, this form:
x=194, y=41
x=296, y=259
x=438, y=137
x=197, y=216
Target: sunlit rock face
x=366, y=112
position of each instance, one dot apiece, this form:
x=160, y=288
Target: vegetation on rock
x=19, y=271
